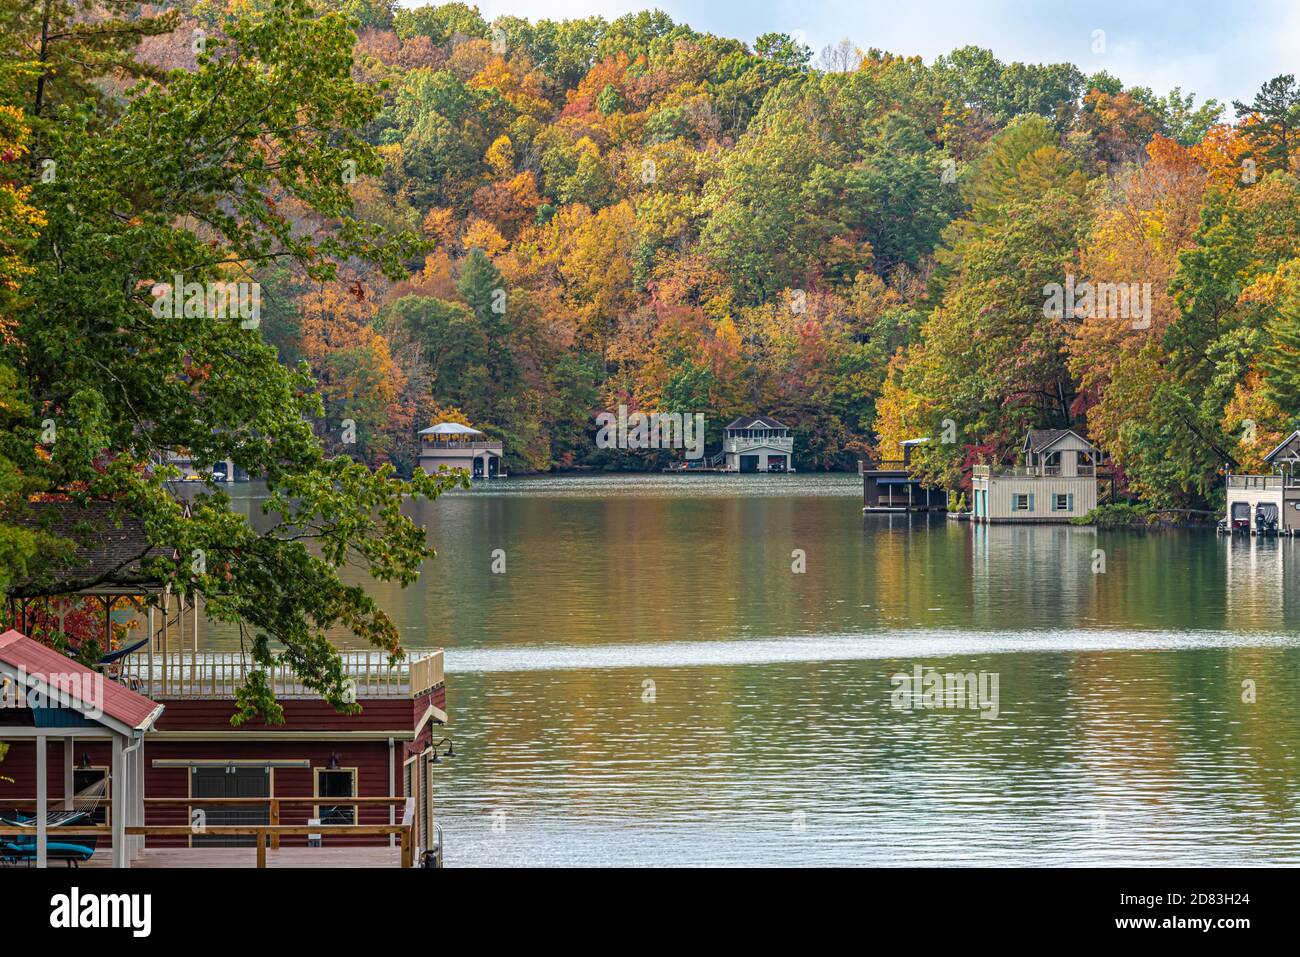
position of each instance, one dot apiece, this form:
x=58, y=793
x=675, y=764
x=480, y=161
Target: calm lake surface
x=649, y=682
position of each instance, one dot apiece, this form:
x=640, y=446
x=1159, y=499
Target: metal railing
x=216, y=674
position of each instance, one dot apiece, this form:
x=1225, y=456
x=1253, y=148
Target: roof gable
x=1287, y=449
x=754, y=422
x=1038, y=441
x=70, y=684
x=768, y=446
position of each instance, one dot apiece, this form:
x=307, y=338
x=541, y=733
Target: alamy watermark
x=1099, y=300
x=75, y=910
x=651, y=430
x=924, y=690
x=209, y=300
x=55, y=690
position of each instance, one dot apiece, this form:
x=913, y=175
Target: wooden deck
x=182, y=857
x=171, y=672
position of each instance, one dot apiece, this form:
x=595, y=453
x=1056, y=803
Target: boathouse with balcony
x=1055, y=482
x=189, y=778
x=757, y=443
x=450, y=445
x=1268, y=502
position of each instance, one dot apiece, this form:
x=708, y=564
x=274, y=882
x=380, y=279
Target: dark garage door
x=230, y=782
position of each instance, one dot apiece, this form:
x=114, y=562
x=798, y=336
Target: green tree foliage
x=772, y=206
x=610, y=212
x=1273, y=120
x=783, y=49
x=190, y=179
x=73, y=46
x=973, y=77
x=1282, y=358
x=440, y=23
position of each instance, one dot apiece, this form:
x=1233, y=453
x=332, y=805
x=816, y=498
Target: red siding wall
x=20, y=764
x=369, y=757
x=381, y=714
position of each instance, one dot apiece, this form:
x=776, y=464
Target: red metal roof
x=40, y=661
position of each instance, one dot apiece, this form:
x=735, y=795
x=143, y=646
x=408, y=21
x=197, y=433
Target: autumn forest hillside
x=851, y=240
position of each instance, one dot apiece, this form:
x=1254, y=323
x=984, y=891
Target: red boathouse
x=193, y=779
x=198, y=772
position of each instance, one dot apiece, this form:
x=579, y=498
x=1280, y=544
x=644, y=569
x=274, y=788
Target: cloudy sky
x=1216, y=48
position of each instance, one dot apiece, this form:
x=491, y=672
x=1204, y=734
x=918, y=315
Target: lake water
x=651, y=681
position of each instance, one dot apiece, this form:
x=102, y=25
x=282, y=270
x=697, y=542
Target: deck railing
x=1030, y=471
x=275, y=806
x=1260, y=482
x=265, y=834
x=457, y=446
x=733, y=445
x=216, y=674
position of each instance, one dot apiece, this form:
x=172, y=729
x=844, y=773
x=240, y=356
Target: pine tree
x=484, y=291
x=72, y=44
x=1282, y=361
x=1275, y=113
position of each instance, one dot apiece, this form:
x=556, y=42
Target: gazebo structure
x=450, y=445
x=107, y=565
x=48, y=695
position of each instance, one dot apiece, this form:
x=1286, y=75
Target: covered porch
x=49, y=696
x=449, y=445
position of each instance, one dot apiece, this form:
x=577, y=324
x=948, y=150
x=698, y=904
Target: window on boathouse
x=336, y=783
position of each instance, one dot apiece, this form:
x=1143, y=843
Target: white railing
x=1030, y=471
x=216, y=674
x=742, y=445
x=1263, y=482
x=456, y=446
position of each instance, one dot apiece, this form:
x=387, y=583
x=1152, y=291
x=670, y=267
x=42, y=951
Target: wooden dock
x=207, y=857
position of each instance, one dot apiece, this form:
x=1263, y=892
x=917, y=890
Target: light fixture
x=450, y=752
x=85, y=760
x=334, y=761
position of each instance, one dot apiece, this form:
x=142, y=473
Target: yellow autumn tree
x=598, y=269
x=1136, y=238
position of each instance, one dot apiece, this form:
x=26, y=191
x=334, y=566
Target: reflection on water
x=649, y=683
